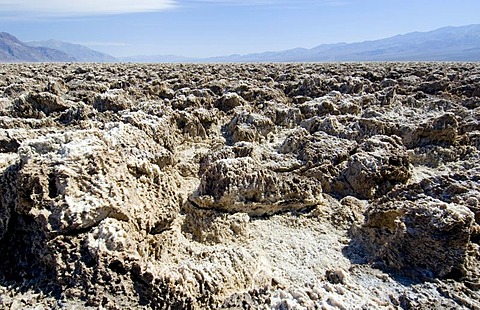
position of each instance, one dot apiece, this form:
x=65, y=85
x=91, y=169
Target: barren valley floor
x=240, y=186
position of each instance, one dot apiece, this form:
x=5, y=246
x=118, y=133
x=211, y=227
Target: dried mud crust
x=241, y=186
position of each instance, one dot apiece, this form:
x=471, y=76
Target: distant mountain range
x=79, y=52
x=13, y=50
x=161, y=58
x=444, y=44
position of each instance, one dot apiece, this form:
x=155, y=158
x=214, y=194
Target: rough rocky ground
x=287, y=186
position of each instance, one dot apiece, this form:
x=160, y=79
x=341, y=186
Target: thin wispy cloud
x=235, y=2
x=83, y=7
x=278, y=3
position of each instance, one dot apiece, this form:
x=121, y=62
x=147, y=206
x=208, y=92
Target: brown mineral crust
x=239, y=185
x=288, y=186
x=422, y=238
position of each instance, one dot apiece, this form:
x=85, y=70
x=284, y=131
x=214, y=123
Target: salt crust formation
x=241, y=186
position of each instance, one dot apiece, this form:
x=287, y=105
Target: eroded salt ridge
x=291, y=186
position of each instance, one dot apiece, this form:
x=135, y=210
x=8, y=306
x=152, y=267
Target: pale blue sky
x=221, y=27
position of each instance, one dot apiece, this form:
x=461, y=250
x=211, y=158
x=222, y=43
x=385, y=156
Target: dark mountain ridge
x=443, y=44
x=79, y=52
x=13, y=50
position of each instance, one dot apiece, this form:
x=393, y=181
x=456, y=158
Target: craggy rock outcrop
x=240, y=185
x=256, y=186
x=248, y=127
x=377, y=166
x=421, y=238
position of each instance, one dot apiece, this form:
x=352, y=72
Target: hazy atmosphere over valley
x=239, y=154
x=209, y=28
